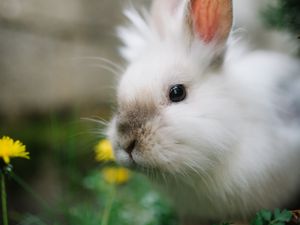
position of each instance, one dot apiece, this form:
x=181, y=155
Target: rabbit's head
x=173, y=111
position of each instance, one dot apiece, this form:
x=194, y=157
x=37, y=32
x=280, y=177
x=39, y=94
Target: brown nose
x=130, y=147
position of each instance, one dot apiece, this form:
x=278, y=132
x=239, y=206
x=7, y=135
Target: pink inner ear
x=212, y=19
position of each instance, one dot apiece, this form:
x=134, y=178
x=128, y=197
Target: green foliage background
x=285, y=16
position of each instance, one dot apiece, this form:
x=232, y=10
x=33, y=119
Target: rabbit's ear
x=168, y=16
x=211, y=19
x=208, y=20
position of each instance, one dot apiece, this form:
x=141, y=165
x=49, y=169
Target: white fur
x=248, y=23
x=233, y=146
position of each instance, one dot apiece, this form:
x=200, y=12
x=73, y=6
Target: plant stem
x=3, y=198
x=108, y=206
x=27, y=188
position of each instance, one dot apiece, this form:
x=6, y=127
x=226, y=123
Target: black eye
x=177, y=93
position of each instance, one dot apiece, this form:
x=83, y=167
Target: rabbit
x=213, y=122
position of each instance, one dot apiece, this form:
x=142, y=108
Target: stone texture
x=48, y=52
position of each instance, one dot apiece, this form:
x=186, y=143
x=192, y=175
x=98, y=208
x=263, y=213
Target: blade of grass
x=27, y=188
x=108, y=207
x=3, y=198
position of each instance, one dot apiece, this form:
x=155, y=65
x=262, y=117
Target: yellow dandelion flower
x=104, y=151
x=114, y=175
x=10, y=149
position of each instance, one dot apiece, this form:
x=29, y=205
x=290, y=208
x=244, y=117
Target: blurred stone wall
x=48, y=51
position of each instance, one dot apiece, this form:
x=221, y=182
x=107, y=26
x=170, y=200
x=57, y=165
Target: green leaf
x=258, y=220
x=285, y=216
x=276, y=213
x=266, y=215
x=278, y=223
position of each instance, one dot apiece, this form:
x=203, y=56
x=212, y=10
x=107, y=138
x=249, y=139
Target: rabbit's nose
x=130, y=147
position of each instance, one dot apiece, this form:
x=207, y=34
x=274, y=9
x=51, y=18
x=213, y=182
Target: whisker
x=116, y=66
x=107, y=68
x=99, y=118
x=97, y=132
x=80, y=134
x=98, y=121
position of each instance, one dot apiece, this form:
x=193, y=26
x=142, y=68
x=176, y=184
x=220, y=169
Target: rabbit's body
x=260, y=168
x=226, y=142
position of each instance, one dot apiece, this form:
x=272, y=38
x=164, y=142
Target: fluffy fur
x=232, y=146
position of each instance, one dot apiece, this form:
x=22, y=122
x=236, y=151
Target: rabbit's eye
x=177, y=93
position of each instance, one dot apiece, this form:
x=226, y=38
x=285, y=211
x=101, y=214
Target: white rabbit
x=214, y=123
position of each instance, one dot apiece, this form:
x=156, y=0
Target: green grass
x=65, y=147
